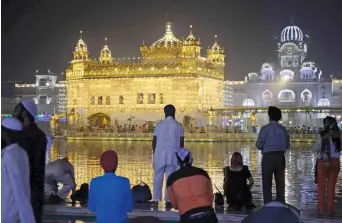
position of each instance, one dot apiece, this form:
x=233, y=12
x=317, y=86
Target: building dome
x=308, y=70
x=267, y=72
x=168, y=39
x=291, y=34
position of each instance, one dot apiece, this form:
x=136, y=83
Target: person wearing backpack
x=190, y=191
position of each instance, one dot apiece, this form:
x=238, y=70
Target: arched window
x=267, y=96
x=286, y=74
x=306, y=96
x=286, y=96
x=248, y=102
x=323, y=102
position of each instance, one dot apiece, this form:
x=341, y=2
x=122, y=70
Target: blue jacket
x=110, y=197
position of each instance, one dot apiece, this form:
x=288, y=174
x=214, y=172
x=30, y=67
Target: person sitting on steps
x=236, y=189
x=81, y=195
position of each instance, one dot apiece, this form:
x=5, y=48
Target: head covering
x=274, y=113
x=63, y=158
x=109, y=161
x=330, y=122
x=184, y=157
x=169, y=110
x=30, y=106
x=146, y=219
x=236, y=160
x=12, y=124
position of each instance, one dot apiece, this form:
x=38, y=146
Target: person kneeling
x=60, y=171
x=190, y=191
x=236, y=189
x=81, y=195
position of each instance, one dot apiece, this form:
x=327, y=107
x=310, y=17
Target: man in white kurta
x=15, y=176
x=168, y=138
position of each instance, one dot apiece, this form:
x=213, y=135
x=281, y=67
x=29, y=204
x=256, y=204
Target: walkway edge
x=55, y=210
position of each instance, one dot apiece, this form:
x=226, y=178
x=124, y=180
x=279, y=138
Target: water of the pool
x=135, y=162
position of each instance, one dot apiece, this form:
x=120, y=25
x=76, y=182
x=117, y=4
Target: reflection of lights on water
x=135, y=162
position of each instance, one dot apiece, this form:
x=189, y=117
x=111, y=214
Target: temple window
x=151, y=98
x=92, y=100
x=140, y=98
x=161, y=99
x=107, y=100
x=121, y=100
x=100, y=100
x=286, y=96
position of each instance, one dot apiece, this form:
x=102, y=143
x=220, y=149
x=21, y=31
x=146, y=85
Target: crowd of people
x=188, y=188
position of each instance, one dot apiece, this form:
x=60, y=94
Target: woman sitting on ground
x=236, y=189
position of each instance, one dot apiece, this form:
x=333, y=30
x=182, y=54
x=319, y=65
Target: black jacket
x=34, y=142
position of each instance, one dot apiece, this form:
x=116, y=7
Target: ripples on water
x=135, y=162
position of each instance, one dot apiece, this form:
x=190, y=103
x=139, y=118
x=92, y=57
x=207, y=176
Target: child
x=81, y=195
x=236, y=189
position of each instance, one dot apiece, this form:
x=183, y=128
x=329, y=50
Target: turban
x=109, y=161
x=184, y=157
x=12, y=124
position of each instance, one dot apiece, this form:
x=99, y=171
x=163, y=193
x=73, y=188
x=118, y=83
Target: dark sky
x=46, y=35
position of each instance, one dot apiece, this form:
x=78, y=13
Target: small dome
x=266, y=70
x=308, y=70
x=191, y=40
x=81, y=46
x=168, y=38
x=291, y=34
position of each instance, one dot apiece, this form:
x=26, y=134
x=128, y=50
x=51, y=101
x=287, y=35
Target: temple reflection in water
x=135, y=162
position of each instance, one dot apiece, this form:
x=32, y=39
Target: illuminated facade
x=45, y=92
x=290, y=82
x=170, y=71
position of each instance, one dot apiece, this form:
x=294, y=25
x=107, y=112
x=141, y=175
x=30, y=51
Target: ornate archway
x=99, y=119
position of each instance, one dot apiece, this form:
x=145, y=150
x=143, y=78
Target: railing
x=188, y=136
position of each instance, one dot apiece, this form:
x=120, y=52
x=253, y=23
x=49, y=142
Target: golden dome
x=105, y=55
x=105, y=50
x=191, y=39
x=216, y=48
x=168, y=39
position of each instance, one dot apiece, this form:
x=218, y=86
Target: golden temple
x=170, y=71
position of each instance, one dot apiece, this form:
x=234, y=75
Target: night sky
x=46, y=35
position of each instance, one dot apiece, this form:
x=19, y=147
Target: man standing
x=273, y=141
x=34, y=142
x=60, y=171
x=15, y=175
x=168, y=138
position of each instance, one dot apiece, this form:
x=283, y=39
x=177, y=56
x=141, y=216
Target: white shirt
x=168, y=133
x=15, y=186
x=316, y=149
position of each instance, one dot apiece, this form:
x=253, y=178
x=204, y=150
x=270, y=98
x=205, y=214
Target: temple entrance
x=99, y=120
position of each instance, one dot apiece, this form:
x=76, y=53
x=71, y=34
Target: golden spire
x=105, y=55
x=81, y=46
x=216, y=47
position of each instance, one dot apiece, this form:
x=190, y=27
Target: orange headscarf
x=236, y=160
